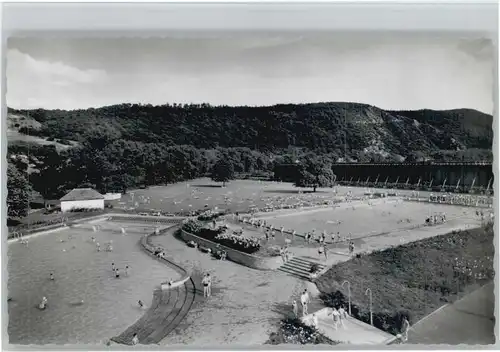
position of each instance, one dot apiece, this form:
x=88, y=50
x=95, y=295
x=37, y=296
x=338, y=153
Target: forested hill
x=318, y=127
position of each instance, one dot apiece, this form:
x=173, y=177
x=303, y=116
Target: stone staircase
x=300, y=267
x=168, y=309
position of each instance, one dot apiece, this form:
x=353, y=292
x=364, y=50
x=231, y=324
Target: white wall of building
x=79, y=204
x=112, y=196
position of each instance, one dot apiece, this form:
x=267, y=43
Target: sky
x=390, y=71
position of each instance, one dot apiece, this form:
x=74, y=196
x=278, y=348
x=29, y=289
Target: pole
x=348, y=294
x=371, y=305
x=472, y=185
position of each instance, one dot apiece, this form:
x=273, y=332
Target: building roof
x=82, y=194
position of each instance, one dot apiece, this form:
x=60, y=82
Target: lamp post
x=371, y=305
x=348, y=294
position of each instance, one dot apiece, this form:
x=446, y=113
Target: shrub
x=273, y=251
x=293, y=330
x=210, y=215
x=218, y=235
x=83, y=210
x=314, y=268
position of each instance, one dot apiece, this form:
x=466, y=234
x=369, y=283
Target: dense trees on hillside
x=314, y=171
x=223, y=171
x=18, y=192
x=125, y=146
x=321, y=127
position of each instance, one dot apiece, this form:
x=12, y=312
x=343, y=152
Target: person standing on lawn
x=351, y=248
x=209, y=285
x=287, y=254
x=321, y=250
x=295, y=309
x=206, y=282
x=282, y=254
x=405, y=329
x=304, y=300
x=315, y=321
x=335, y=317
x=343, y=312
x=135, y=339
x=341, y=316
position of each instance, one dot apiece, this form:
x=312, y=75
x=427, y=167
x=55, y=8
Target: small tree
x=222, y=171
x=18, y=193
x=315, y=172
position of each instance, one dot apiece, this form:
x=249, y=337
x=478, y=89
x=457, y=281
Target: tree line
x=126, y=146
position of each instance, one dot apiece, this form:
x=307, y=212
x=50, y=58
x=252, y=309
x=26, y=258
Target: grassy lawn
x=413, y=279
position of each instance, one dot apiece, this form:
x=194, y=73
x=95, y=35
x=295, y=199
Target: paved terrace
x=471, y=320
x=352, y=332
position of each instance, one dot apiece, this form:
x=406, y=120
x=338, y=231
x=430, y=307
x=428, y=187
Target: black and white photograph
x=250, y=188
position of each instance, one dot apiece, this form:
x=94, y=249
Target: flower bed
x=209, y=215
x=294, y=331
x=220, y=235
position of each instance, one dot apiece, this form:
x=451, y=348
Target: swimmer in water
x=43, y=304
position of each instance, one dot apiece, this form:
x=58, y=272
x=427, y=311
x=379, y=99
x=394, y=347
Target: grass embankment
x=414, y=279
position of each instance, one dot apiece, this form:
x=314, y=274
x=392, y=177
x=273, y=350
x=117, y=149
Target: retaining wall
x=251, y=261
x=148, y=247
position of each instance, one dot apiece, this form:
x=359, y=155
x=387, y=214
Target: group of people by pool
x=116, y=271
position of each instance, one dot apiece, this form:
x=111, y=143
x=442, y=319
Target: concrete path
x=246, y=304
x=470, y=321
x=352, y=332
x=373, y=242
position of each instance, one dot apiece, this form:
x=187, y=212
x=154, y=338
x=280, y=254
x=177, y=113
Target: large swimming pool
x=81, y=273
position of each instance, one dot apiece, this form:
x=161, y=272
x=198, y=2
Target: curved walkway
x=169, y=306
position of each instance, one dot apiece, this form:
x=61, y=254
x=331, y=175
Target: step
x=297, y=263
x=306, y=260
x=303, y=261
x=297, y=268
x=291, y=272
x=146, y=325
x=301, y=272
x=158, y=334
x=190, y=290
x=300, y=264
x=298, y=272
